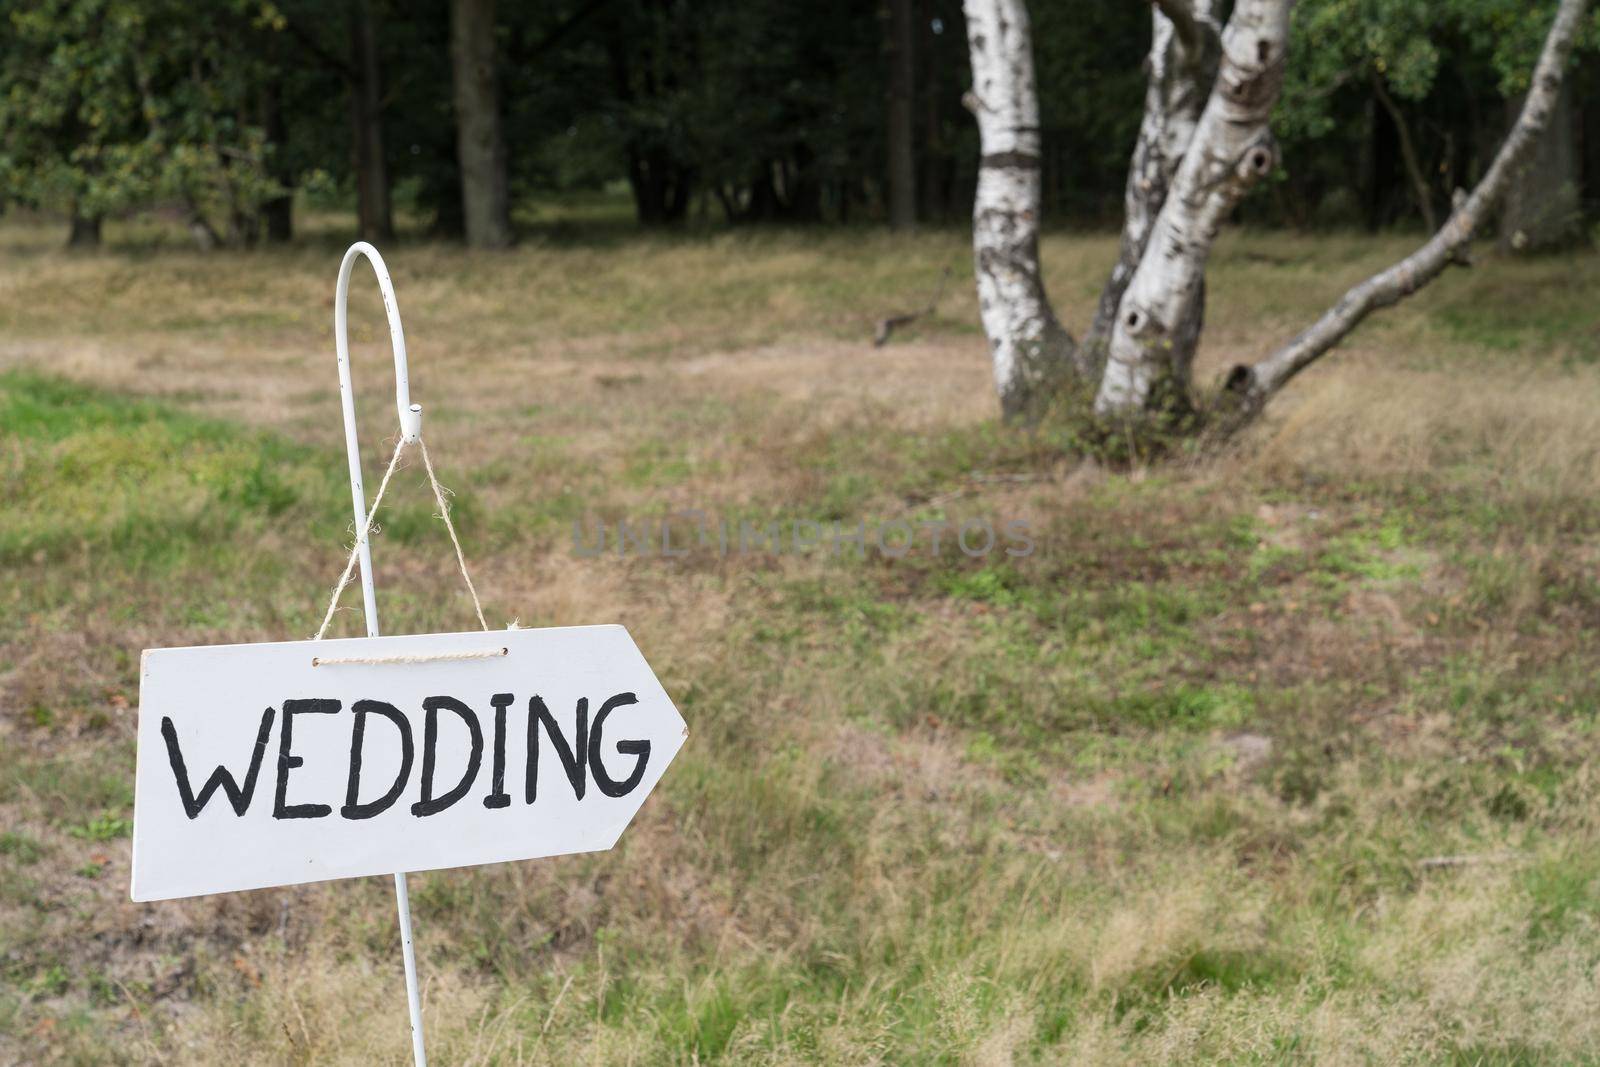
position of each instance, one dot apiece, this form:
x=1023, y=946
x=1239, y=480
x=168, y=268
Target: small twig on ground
x=550, y=1018
x=1009, y=479
x=971, y=487
x=1435, y=863
x=138, y=1017
x=888, y=326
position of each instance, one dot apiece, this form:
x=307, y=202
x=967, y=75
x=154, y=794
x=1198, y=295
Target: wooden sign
x=274, y=764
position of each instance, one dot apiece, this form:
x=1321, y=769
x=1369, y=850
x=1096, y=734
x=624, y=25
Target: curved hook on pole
x=410, y=414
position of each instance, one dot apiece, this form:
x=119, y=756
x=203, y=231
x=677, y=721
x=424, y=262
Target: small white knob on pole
x=411, y=424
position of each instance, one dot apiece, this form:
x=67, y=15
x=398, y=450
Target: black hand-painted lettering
x=498, y=797
x=353, y=807
x=602, y=779
x=430, y=804
x=220, y=778
x=571, y=755
x=287, y=761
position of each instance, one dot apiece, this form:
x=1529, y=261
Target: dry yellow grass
x=1159, y=792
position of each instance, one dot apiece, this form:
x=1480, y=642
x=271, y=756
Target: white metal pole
x=402, y=902
x=411, y=430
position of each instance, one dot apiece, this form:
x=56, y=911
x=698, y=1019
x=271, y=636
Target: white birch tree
x=1205, y=139
x=1032, y=354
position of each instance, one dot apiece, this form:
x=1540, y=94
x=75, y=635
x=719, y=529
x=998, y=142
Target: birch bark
x=1232, y=148
x=1179, y=72
x=1150, y=347
x=1030, y=350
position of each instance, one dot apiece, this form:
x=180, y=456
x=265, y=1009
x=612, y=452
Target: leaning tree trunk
x=1032, y=353
x=1148, y=365
x=1542, y=209
x=902, y=92
x=374, y=217
x=1179, y=72
x=480, y=142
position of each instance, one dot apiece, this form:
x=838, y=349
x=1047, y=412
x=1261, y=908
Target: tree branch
x=887, y=326
x=1189, y=29
x=1254, y=385
x=526, y=52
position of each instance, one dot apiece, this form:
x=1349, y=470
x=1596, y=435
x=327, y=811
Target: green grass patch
x=92, y=471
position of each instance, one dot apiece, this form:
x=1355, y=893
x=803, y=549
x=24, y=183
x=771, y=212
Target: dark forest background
x=230, y=112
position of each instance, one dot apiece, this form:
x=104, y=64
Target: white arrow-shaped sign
x=274, y=764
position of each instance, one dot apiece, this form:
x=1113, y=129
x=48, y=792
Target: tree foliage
x=733, y=111
x=110, y=104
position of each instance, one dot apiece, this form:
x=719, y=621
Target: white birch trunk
x=1179, y=73
x=1030, y=350
x=1228, y=150
x=1231, y=149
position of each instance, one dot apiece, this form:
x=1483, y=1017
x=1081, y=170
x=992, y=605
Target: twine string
x=440, y=494
x=413, y=657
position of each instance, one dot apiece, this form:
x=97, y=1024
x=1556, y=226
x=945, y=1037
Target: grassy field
x=1287, y=755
